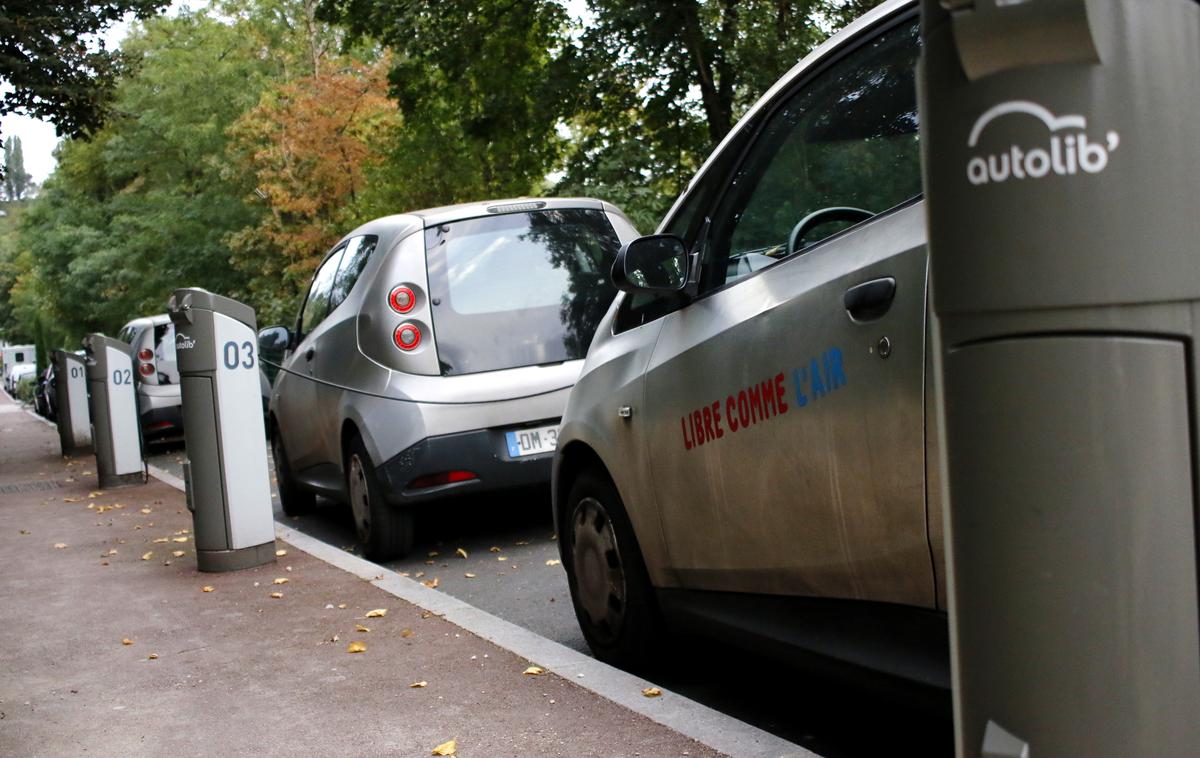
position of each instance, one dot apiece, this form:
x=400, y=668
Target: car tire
x=294, y=499
x=610, y=587
x=385, y=530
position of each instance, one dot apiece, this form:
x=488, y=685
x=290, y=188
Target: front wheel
x=610, y=587
x=387, y=532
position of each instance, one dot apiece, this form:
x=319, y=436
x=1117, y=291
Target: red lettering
x=780, y=393
x=709, y=435
x=687, y=443
x=698, y=427
x=743, y=409
x=716, y=414
x=730, y=410
x=768, y=396
x=756, y=409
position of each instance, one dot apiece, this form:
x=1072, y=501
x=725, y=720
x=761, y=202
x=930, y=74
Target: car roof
x=144, y=321
x=879, y=13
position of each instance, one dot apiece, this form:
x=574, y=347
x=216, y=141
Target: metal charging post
x=228, y=483
x=116, y=434
x=71, y=398
x=1061, y=177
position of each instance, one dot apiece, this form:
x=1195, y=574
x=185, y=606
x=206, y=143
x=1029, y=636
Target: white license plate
x=522, y=442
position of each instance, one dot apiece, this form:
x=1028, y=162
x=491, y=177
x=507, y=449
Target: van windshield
x=519, y=289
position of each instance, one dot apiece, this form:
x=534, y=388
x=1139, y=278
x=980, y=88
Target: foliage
x=16, y=179
x=308, y=144
x=56, y=72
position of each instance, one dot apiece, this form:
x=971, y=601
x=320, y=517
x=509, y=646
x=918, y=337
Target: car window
x=354, y=260
x=316, y=305
x=847, y=139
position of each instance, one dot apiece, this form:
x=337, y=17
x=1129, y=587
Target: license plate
x=522, y=442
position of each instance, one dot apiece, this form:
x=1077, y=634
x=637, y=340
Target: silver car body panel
x=828, y=498
x=347, y=374
x=151, y=394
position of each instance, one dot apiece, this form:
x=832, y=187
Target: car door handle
x=870, y=300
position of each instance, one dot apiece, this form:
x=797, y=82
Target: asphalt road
x=831, y=713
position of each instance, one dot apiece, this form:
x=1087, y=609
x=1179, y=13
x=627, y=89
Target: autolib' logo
x=1067, y=152
x=184, y=342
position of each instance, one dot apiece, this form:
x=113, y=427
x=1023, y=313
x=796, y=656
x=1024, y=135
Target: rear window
x=519, y=289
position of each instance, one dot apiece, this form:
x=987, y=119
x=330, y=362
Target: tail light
x=407, y=336
x=146, y=369
x=402, y=299
x=444, y=477
x=146, y=355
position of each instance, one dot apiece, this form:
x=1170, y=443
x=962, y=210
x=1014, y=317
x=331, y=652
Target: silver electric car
x=746, y=449
x=160, y=403
x=433, y=355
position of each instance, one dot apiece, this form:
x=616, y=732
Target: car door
x=786, y=401
x=297, y=409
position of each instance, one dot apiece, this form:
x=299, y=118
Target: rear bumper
x=483, y=452
x=161, y=421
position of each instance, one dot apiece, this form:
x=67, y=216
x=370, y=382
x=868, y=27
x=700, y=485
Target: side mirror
x=656, y=263
x=274, y=340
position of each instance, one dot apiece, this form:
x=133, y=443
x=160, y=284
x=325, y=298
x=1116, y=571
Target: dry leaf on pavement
x=356, y=647
x=375, y=614
x=502, y=557
x=59, y=545
x=112, y=552
x=126, y=641
x=432, y=583
x=469, y=575
x=280, y=580
x=276, y=595
x=361, y=628
x=180, y=539
x=280, y=553
x=146, y=511
x=553, y=562
x=493, y=549
x=418, y=685
x=446, y=748
x=147, y=556
x=206, y=588
x=178, y=553
x=462, y=553
x=152, y=657
x=162, y=539
x=406, y=633
x=534, y=671
x=652, y=692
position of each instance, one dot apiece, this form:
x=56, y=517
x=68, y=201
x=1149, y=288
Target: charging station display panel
x=242, y=434
x=122, y=411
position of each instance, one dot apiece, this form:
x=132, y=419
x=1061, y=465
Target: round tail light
x=145, y=354
x=402, y=299
x=146, y=369
x=407, y=337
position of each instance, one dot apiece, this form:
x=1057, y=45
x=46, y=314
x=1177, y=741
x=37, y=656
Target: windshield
x=519, y=289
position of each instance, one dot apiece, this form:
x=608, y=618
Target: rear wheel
x=610, y=587
x=295, y=500
x=387, y=532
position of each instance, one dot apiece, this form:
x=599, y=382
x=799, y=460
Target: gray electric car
x=746, y=449
x=160, y=404
x=433, y=355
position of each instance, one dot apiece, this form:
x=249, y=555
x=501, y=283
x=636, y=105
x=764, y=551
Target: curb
x=681, y=714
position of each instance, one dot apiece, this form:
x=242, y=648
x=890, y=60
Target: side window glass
x=354, y=260
x=316, y=305
x=847, y=140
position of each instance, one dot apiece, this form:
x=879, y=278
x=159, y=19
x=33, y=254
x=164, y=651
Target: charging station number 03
x=235, y=356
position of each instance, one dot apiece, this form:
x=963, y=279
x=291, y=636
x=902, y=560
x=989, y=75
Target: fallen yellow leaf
x=162, y=539
x=462, y=553
x=418, y=685
x=280, y=553
x=553, y=562
x=406, y=633
x=95, y=494
x=493, y=549
x=153, y=656
x=59, y=545
x=502, y=557
x=356, y=647
x=433, y=554
x=375, y=614
x=652, y=692
x=179, y=539
x=446, y=748
x=146, y=511
x=469, y=575
x=280, y=580
x=276, y=595
x=26, y=531
x=534, y=671
x=206, y=588
x=147, y=556
x=178, y=553
x=432, y=583
x=126, y=641
x=343, y=605
x=112, y=552
x=360, y=628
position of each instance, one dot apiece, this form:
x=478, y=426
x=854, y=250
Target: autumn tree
x=307, y=144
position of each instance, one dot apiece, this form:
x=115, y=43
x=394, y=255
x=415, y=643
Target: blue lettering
x=798, y=380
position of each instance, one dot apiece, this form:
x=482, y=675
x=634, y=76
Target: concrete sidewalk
x=235, y=671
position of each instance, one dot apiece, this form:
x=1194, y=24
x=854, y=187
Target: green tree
x=16, y=178
x=56, y=71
